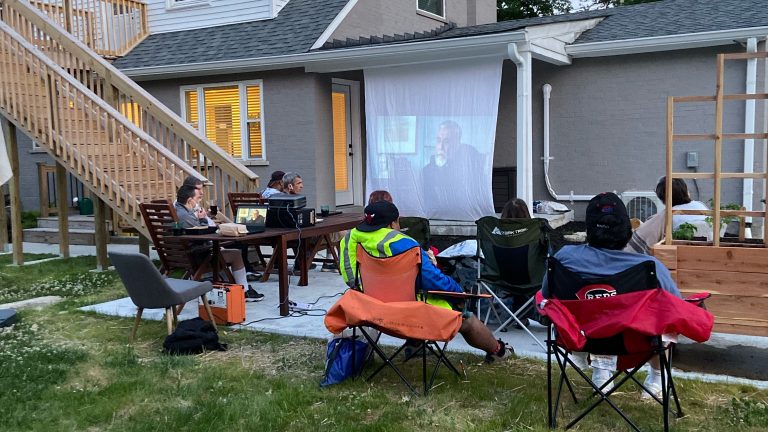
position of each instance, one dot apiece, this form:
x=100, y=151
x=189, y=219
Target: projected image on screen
x=432, y=162
x=430, y=131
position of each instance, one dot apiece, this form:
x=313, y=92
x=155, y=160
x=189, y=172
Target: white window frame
x=244, y=122
x=428, y=13
x=183, y=4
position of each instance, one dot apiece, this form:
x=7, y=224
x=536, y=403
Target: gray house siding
x=608, y=122
x=297, y=125
x=388, y=17
x=28, y=177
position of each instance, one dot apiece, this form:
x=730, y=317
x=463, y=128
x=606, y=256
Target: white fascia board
x=664, y=43
x=345, y=58
x=548, y=42
x=549, y=54
x=334, y=25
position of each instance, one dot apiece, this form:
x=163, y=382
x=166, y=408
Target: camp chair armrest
x=459, y=295
x=698, y=298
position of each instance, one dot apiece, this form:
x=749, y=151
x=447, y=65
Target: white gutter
x=522, y=59
x=547, y=90
x=749, y=127
x=430, y=50
x=664, y=43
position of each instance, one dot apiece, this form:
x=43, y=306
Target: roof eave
x=664, y=43
x=345, y=58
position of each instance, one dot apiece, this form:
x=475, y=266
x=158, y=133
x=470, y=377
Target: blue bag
x=338, y=363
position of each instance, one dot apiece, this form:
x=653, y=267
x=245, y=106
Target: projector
x=282, y=217
x=284, y=200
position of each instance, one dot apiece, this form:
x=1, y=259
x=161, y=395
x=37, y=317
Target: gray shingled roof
x=662, y=18
x=673, y=17
x=298, y=25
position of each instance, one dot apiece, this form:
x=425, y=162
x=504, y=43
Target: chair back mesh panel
x=514, y=250
x=389, y=279
x=564, y=284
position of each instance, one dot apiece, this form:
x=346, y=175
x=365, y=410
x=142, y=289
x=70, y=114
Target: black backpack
x=193, y=337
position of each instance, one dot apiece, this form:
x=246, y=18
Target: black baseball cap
x=607, y=221
x=378, y=215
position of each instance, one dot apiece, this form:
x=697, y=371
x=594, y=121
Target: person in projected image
x=452, y=163
x=255, y=218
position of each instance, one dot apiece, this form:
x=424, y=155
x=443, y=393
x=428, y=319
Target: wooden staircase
x=70, y=100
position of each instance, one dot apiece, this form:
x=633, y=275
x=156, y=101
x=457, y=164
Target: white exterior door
x=343, y=148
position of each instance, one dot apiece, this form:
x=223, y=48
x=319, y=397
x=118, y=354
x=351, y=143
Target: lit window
x=228, y=115
x=434, y=7
x=132, y=112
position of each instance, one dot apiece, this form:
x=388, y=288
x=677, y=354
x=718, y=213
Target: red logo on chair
x=590, y=292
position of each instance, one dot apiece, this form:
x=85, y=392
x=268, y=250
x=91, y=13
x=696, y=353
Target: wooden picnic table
x=281, y=237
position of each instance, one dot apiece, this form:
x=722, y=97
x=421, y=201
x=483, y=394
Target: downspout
x=547, y=90
x=524, y=123
x=749, y=127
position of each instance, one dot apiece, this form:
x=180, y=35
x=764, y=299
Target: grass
x=62, y=369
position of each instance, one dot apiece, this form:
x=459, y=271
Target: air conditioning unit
x=642, y=204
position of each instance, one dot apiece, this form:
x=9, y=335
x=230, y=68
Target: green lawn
x=62, y=369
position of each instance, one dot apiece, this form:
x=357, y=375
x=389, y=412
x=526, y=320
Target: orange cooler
x=227, y=304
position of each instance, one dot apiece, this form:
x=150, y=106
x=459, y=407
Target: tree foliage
x=603, y=4
x=518, y=9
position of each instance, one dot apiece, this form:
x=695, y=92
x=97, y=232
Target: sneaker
x=653, y=386
x=600, y=377
x=253, y=296
x=253, y=276
x=503, y=352
x=525, y=322
x=329, y=267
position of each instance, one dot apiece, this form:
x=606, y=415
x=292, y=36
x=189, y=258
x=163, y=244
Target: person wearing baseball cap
x=275, y=184
x=608, y=232
x=378, y=234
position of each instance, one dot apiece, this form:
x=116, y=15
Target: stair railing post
x=62, y=206
x=9, y=134
x=68, y=15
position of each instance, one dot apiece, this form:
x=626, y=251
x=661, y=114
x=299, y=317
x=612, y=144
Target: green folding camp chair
x=512, y=256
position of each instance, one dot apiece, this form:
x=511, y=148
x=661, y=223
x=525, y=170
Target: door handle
x=350, y=153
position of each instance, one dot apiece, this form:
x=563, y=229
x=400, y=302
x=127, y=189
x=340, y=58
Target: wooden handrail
x=98, y=75
x=114, y=158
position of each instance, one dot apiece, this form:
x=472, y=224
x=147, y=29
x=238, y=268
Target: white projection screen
x=430, y=136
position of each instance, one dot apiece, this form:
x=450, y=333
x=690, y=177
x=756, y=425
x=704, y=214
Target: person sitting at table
x=189, y=216
x=219, y=217
x=275, y=184
x=379, y=235
x=292, y=183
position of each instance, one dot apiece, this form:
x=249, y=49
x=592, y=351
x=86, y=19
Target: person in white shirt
x=681, y=200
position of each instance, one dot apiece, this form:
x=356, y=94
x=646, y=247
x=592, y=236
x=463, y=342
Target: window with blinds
x=229, y=115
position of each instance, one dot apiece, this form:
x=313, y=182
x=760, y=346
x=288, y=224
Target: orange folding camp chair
x=385, y=298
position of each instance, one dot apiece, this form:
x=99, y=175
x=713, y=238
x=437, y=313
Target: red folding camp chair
x=624, y=315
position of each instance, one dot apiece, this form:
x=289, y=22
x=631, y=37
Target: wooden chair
x=174, y=253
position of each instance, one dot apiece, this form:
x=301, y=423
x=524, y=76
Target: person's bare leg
x=234, y=260
x=478, y=335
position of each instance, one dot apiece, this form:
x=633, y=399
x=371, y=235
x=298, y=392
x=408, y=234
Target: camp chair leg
x=387, y=362
x=566, y=361
x=204, y=299
x=513, y=316
x=175, y=317
x=424, y=366
x=136, y=322
x=169, y=319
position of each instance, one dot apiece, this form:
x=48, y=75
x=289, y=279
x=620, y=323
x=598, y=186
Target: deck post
x=61, y=204
x=99, y=214
x=9, y=133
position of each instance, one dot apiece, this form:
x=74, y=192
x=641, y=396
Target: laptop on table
x=253, y=216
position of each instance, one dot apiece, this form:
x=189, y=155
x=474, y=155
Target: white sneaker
x=653, y=387
x=600, y=377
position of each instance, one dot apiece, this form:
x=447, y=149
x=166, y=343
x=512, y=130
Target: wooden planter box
x=737, y=277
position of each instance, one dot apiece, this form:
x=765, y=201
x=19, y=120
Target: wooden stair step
x=51, y=236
